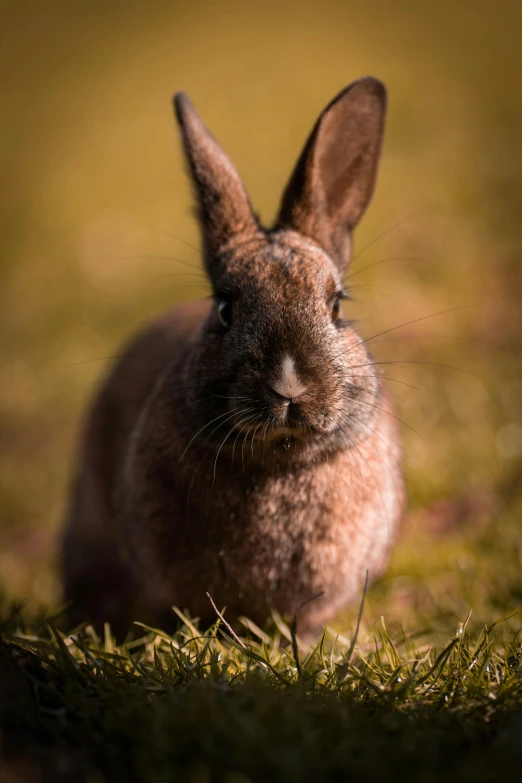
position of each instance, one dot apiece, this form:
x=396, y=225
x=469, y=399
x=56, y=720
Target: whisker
x=390, y=229
x=204, y=428
x=162, y=231
x=263, y=434
x=194, y=402
x=363, y=402
x=407, y=456
x=399, y=326
x=386, y=378
x=254, y=435
x=247, y=418
x=234, y=413
x=367, y=426
x=122, y=357
x=401, y=362
x=224, y=397
x=146, y=256
x=393, y=396
x=417, y=259
x=231, y=430
x=244, y=442
x=381, y=287
x=189, y=491
x=422, y=337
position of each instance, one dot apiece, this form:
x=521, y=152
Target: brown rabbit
x=245, y=446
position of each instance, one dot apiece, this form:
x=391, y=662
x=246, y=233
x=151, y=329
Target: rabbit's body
x=243, y=447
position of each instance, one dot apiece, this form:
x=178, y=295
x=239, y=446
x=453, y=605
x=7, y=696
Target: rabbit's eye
x=225, y=313
x=336, y=307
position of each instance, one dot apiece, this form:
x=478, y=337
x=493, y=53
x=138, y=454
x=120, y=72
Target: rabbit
x=245, y=446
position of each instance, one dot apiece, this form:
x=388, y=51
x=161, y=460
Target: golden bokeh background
x=95, y=214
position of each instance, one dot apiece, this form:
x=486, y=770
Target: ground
x=95, y=236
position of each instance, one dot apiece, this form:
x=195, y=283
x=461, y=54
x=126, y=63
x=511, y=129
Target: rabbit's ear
x=224, y=208
x=334, y=178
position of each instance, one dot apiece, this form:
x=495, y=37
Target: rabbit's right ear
x=223, y=205
x=334, y=178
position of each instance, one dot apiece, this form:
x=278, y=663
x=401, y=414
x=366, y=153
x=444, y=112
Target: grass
x=216, y=706
x=92, y=168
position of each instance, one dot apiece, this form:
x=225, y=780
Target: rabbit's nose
x=287, y=383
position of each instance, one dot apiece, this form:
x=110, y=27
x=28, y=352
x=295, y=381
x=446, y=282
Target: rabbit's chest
x=300, y=532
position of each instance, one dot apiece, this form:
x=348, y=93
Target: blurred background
x=95, y=214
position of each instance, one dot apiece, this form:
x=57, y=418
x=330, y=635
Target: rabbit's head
x=278, y=357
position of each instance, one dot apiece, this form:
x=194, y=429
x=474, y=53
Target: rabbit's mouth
x=277, y=432
x=270, y=430
x=273, y=430
x=270, y=416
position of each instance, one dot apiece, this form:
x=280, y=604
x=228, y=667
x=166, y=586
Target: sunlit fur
x=243, y=445
x=282, y=288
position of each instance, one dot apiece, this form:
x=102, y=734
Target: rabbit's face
x=277, y=357
x=278, y=353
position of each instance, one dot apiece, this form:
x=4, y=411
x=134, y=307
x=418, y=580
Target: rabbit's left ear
x=334, y=179
x=224, y=208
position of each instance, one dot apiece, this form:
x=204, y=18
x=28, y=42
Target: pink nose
x=287, y=384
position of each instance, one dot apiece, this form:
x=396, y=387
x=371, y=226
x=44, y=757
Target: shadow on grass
x=204, y=707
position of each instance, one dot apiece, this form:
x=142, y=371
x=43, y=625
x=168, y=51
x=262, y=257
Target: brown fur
x=195, y=475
